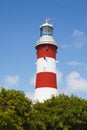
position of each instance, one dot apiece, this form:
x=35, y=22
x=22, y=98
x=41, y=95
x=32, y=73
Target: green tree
x=62, y=112
x=14, y=110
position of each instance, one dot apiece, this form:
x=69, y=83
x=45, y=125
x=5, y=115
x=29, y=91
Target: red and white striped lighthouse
x=46, y=81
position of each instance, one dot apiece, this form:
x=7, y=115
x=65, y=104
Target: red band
x=46, y=79
x=46, y=50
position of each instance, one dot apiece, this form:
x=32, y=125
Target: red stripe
x=48, y=50
x=46, y=79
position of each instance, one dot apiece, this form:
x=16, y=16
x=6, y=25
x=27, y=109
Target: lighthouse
x=46, y=49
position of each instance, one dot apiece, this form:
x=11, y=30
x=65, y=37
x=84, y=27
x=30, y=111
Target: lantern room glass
x=46, y=30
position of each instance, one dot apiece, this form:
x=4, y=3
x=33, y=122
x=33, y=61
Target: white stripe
x=46, y=64
x=45, y=93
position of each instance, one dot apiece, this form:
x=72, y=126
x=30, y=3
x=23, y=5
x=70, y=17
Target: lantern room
x=46, y=29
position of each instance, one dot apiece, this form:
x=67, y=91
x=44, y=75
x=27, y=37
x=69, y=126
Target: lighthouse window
x=44, y=68
x=46, y=31
x=46, y=48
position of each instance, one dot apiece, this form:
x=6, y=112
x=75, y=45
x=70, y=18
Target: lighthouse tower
x=46, y=48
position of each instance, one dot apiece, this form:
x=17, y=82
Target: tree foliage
x=14, y=110
x=17, y=112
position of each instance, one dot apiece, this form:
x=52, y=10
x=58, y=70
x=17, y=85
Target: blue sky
x=19, y=30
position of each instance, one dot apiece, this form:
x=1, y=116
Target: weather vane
x=47, y=20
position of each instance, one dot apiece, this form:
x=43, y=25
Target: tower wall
x=46, y=50
x=46, y=81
